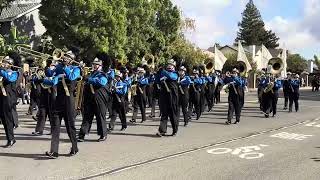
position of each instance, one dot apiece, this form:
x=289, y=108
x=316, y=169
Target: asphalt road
x=207, y=149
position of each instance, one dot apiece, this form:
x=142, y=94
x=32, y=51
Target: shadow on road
x=316, y=159
x=130, y=134
x=28, y=156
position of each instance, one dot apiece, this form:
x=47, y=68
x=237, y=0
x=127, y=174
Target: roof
x=15, y=11
x=275, y=52
x=235, y=48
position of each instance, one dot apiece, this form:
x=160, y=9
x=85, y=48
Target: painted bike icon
x=247, y=152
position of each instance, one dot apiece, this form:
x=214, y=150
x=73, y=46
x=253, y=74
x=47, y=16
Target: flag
x=219, y=59
x=283, y=56
x=264, y=58
x=242, y=56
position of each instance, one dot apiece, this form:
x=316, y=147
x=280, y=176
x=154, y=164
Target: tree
x=252, y=29
x=140, y=18
x=4, y=4
x=184, y=49
x=93, y=25
x=296, y=63
x=316, y=60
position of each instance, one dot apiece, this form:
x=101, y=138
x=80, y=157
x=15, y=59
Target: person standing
x=95, y=102
x=64, y=82
x=140, y=99
x=195, y=94
x=169, y=99
x=184, y=82
x=294, y=95
x=8, y=79
x=276, y=87
x=233, y=84
x=286, y=90
x=119, y=90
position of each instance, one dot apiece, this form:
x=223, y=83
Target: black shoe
x=185, y=124
x=110, y=129
x=16, y=127
x=266, y=115
x=37, y=133
x=160, y=134
x=102, y=138
x=52, y=155
x=80, y=139
x=237, y=122
x=142, y=121
x=133, y=121
x=123, y=129
x=73, y=152
x=174, y=134
x=273, y=115
x=228, y=122
x=10, y=143
x=285, y=108
x=152, y=116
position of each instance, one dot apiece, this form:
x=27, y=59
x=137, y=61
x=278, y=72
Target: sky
x=295, y=22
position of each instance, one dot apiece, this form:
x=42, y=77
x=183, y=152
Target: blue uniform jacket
x=121, y=88
x=168, y=75
x=71, y=73
x=98, y=78
x=185, y=81
x=9, y=76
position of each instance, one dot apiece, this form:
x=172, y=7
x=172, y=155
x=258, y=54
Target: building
x=23, y=14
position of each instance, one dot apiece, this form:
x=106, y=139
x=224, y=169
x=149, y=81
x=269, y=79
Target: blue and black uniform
x=276, y=88
x=95, y=99
x=234, y=84
x=209, y=91
x=169, y=101
x=184, y=84
x=46, y=103
x=195, y=89
x=7, y=102
x=64, y=84
x=140, y=99
x=294, y=94
x=218, y=83
x=119, y=91
x=286, y=92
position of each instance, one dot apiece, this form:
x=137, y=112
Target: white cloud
x=205, y=13
x=301, y=34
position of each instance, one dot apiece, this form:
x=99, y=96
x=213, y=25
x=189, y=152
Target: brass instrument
x=242, y=68
x=209, y=66
x=276, y=65
x=80, y=89
x=149, y=59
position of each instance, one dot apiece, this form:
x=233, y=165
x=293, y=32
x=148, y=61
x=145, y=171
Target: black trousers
x=294, y=98
x=209, y=94
x=64, y=109
x=139, y=102
x=118, y=107
x=15, y=115
x=286, y=99
x=195, y=102
x=202, y=99
x=99, y=110
x=275, y=103
x=183, y=104
x=8, y=124
x=267, y=99
x=44, y=112
x=217, y=95
x=168, y=113
x=234, y=107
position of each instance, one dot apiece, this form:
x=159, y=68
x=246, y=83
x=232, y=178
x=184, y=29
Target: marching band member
x=195, y=94
x=8, y=79
x=286, y=90
x=261, y=86
x=119, y=90
x=156, y=93
x=111, y=77
x=294, y=94
x=217, y=86
x=34, y=94
x=95, y=102
x=267, y=96
x=209, y=91
x=169, y=101
x=244, y=84
x=64, y=82
x=276, y=87
x=203, y=89
x=128, y=81
x=46, y=99
x=140, y=99
x=184, y=82
x=234, y=83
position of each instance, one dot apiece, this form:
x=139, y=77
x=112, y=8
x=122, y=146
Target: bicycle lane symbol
x=247, y=152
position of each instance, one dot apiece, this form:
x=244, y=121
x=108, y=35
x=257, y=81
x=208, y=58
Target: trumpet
x=12, y=66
